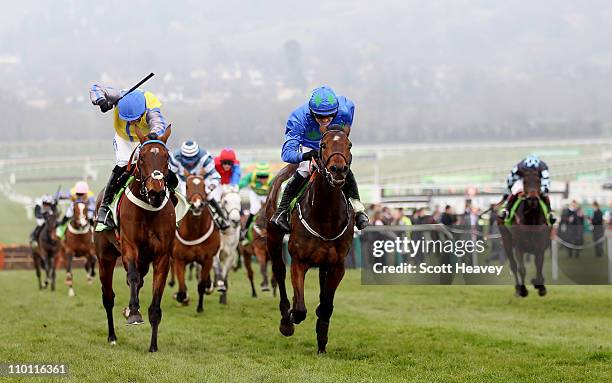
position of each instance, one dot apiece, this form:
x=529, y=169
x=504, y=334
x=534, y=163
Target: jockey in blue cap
x=533, y=162
x=302, y=138
x=136, y=110
x=192, y=159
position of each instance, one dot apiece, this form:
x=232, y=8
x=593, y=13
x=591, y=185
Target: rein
x=321, y=165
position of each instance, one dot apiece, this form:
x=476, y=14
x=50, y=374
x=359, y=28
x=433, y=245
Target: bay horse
x=321, y=233
x=46, y=250
x=197, y=240
x=258, y=248
x=147, y=224
x=230, y=238
x=529, y=232
x=78, y=243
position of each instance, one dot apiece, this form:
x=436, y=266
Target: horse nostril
x=334, y=169
x=345, y=169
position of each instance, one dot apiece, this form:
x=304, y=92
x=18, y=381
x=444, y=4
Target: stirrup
x=503, y=213
x=105, y=222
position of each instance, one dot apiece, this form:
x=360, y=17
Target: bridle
x=321, y=163
x=202, y=197
x=157, y=175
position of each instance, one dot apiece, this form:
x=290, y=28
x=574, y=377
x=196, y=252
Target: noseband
x=321, y=163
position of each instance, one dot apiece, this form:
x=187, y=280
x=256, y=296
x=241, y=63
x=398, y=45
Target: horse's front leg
x=107, y=268
x=329, y=280
x=275, y=249
x=134, y=281
x=249, y=269
x=204, y=282
x=522, y=289
x=538, y=282
x=298, y=272
x=69, y=255
x=179, y=269
x=161, y=267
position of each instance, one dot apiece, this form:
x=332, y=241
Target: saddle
x=519, y=200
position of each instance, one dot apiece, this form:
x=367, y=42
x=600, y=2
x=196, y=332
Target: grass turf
x=377, y=333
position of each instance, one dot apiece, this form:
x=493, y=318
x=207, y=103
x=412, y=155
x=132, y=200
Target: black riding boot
x=218, y=214
x=244, y=231
x=352, y=193
x=35, y=233
x=115, y=182
x=551, y=217
x=280, y=217
x=505, y=211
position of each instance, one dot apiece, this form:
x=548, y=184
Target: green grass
x=377, y=333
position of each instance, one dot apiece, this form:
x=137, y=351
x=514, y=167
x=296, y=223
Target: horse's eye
x=350, y=145
x=323, y=146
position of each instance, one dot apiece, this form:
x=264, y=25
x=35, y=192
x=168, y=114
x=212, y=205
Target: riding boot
x=218, y=214
x=505, y=211
x=244, y=231
x=115, y=182
x=352, y=192
x=551, y=216
x=35, y=234
x=281, y=215
x=64, y=220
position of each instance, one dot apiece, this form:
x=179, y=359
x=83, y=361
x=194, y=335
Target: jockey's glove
x=104, y=105
x=310, y=155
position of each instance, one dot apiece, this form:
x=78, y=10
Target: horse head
x=335, y=156
x=50, y=225
x=531, y=188
x=230, y=202
x=79, y=215
x=195, y=188
x=152, y=167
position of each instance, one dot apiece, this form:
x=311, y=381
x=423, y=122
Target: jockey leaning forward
x=136, y=110
x=531, y=162
x=228, y=167
x=194, y=160
x=302, y=138
x=46, y=204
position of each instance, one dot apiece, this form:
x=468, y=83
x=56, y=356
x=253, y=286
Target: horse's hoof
x=254, y=295
x=171, y=283
x=541, y=290
x=223, y=299
x=221, y=286
x=286, y=329
x=297, y=317
x=200, y=309
x=522, y=291
x=321, y=351
x=153, y=349
x=71, y=292
x=265, y=288
x=112, y=342
x=135, y=319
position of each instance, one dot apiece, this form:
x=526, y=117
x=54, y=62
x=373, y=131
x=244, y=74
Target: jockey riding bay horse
x=79, y=243
x=46, y=249
x=147, y=225
x=321, y=233
x=527, y=230
x=197, y=239
x=257, y=247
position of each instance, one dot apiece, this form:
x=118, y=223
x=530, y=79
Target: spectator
x=448, y=218
x=598, y=229
x=497, y=250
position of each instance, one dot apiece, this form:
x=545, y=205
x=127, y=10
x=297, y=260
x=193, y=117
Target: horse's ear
x=141, y=137
x=164, y=137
